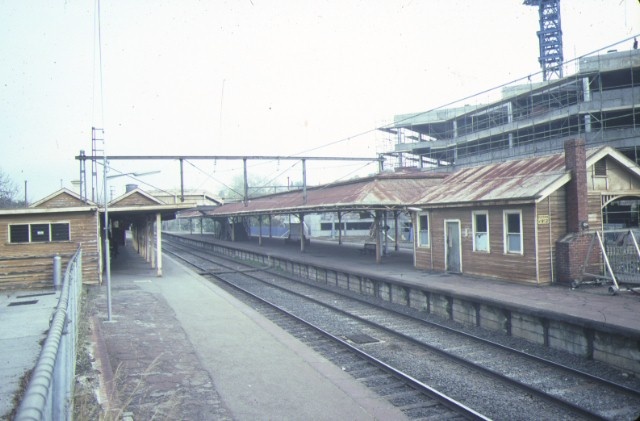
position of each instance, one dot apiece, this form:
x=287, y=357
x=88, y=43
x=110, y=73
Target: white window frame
x=474, y=231
x=30, y=239
x=506, y=234
x=419, y=230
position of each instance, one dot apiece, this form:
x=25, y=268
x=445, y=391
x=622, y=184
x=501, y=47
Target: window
x=480, y=231
x=39, y=233
x=60, y=232
x=423, y=230
x=42, y=232
x=19, y=233
x=513, y=232
x=352, y=226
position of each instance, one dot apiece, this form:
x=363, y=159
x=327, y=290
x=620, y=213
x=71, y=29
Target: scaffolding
x=599, y=101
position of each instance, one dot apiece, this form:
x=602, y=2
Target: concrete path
x=25, y=319
x=179, y=347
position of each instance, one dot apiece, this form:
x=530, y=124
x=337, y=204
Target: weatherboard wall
x=30, y=265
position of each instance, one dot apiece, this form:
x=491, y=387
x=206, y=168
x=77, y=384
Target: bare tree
x=258, y=186
x=8, y=192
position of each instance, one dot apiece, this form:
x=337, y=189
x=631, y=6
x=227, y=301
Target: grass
x=122, y=389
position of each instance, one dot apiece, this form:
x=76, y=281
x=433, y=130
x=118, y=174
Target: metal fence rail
x=49, y=395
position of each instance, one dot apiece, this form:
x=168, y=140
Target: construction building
x=598, y=99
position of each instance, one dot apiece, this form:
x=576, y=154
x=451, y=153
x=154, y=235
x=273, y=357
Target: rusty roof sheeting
x=518, y=180
x=384, y=191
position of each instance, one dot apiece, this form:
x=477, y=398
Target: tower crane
x=549, y=37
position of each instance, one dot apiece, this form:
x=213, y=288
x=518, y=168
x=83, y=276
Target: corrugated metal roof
x=518, y=180
x=382, y=192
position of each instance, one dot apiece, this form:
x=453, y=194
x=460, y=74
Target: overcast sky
x=253, y=77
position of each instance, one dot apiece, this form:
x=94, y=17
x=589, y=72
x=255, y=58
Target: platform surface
x=589, y=303
x=181, y=348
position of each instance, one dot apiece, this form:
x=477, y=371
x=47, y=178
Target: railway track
x=497, y=381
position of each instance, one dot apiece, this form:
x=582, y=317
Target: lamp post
x=107, y=257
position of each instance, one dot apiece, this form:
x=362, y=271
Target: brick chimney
x=575, y=159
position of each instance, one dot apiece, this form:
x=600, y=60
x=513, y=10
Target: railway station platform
x=586, y=322
x=178, y=347
x=590, y=303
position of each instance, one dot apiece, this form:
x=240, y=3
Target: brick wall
x=577, y=204
x=571, y=253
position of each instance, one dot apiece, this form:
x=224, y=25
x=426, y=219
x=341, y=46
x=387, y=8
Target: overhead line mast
x=549, y=37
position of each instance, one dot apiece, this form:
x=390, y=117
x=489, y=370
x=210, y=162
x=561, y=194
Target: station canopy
x=386, y=191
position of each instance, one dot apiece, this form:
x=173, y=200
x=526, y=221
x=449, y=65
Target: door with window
x=452, y=246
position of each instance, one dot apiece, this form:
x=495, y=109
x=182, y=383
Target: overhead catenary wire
x=457, y=101
x=348, y=138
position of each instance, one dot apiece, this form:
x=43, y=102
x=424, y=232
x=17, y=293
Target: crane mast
x=549, y=37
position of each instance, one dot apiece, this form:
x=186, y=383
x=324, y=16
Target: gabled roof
x=386, y=191
x=595, y=155
x=137, y=204
x=518, y=181
x=63, y=198
x=195, y=197
x=135, y=197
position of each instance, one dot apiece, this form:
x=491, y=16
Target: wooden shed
x=62, y=222
x=506, y=220
x=55, y=225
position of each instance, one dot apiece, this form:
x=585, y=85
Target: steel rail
x=555, y=399
x=570, y=370
x=416, y=384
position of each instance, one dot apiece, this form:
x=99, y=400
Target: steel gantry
x=181, y=158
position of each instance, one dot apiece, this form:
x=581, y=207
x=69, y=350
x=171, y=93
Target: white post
x=152, y=246
x=107, y=256
x=302, y=232
x=159, y=243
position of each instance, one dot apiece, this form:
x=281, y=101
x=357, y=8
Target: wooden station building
x=524, y=220
x=62, y=222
